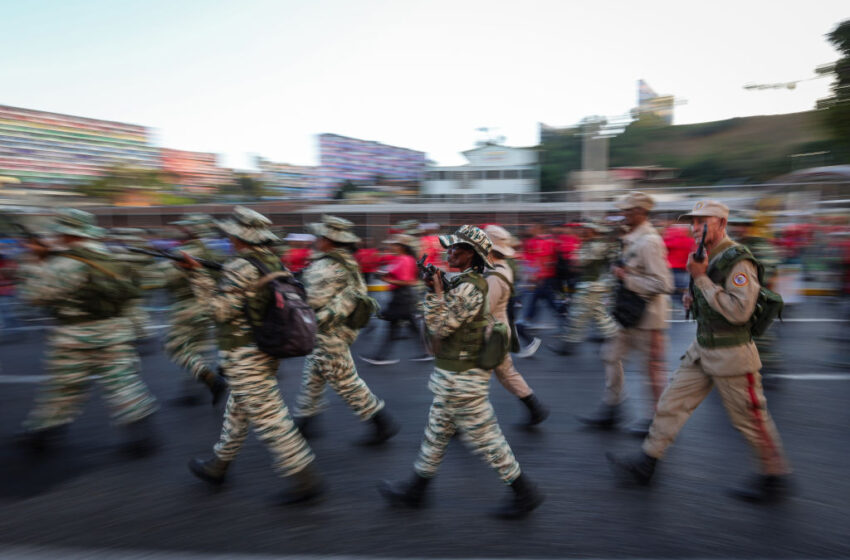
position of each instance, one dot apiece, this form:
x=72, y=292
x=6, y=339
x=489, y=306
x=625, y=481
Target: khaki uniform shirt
x=735, y=300
x=648, y=274
x=499, y=293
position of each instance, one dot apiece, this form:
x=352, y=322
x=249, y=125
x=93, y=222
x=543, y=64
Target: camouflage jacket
x=595, y=258
x=226, y=302
x=446, y=314
x=332, y=291
x=176, y=279
x=56, y=283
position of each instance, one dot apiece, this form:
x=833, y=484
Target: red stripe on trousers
x=751, y=388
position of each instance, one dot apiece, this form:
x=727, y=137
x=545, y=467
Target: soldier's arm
x=657, y=278
x=735, y=300
x=496, y=289
x=52, y=281
x=444, y=315
x=330, y=292
x=226, y=302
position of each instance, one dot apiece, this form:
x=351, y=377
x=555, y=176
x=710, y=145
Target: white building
x=492, y=169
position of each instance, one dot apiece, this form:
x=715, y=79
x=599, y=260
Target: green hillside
x=747, y=148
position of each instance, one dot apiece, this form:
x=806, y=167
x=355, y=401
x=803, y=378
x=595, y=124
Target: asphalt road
x=85, y=498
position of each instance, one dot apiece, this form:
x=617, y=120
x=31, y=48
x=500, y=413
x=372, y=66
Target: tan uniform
x=734, y=370
x=498, y=294
x=648, y=275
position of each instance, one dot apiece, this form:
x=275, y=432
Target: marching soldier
x=595, y=256
x=255, y=400
x=190, y=330
x=86, y=288
x=726, y=288
x=500, y=289
x=457, y=320
x=334, y=286
x=644, y=271
x=145, y=274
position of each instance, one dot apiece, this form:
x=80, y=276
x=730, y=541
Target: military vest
x=713, y=329
x=459, y=351
x=107, y=290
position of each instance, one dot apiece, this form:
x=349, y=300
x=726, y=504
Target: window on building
x=529, y=174
x=510, y=174
x=492, y=174
x=475, y=175
x=457, y=175
x=441, y=175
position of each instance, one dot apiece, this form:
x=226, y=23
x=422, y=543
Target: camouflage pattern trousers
x=588, y=304
x=255, y=402
x=71, y=371
x=189, y=338
x=461, y=404
x=331, y=364
x=138, y=317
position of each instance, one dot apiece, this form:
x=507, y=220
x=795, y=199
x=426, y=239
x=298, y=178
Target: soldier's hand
x=188, y=262
x=438, y=283
x=696, y=268
x=687, y=300
x=619, y=272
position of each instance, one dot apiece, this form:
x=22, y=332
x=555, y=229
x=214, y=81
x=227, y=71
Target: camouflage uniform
x=81, y=349
x=255, y=399
x=189, y=335
x=146, y=274
x=589, y=301
x=333, y=289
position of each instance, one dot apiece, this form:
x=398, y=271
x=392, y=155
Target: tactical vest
x=713, y=329
x=233, y=335
x=106, y=292
x=459, y=351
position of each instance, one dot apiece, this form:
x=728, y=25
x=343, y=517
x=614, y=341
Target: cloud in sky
x=264, y=77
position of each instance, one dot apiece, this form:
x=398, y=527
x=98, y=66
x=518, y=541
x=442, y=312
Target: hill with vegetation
x=745, y=149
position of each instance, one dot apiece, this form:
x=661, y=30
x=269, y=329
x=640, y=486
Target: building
x=194, y=171
x=288, y=180
x=492, y=169
x=51, y=150
x=363, y=162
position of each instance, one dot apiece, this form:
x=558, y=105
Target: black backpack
x=283, y=323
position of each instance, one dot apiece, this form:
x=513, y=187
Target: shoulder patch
x=740, y=280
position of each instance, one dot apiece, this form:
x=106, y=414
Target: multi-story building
x=364, y=162
x=51, y=150
x=194, y=171
x=492, y=169
x=288, y=180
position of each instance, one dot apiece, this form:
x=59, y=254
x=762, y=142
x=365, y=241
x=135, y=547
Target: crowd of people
x=623, y=273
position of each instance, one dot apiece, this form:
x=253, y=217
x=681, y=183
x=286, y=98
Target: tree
x=120, y=181
x=244, y=186
x=835, y=109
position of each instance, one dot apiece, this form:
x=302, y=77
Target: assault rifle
x=427, y=271
x=212, y=265
x=699, y=256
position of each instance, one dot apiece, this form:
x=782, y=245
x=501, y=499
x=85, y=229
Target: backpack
x=283, y=323
x=769, y=307
x=365, y=307
x=110, y=284
x=628, y=306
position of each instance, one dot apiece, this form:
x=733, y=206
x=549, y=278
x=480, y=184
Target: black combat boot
x=525, y=499
x=39, y=441
x=212, y=470
x=217, y=386
x=606, y=417
x=764, y=488
x=384, y=427
x=411, y=494
x=305, y=485
x=638, y=470
x=141, y=438
x=537, y=411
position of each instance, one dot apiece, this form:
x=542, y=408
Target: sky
x=262, y=77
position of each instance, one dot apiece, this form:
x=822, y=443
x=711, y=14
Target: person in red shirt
x=402, y=279
x=679, y=245
x=568, y=244
x=429, y=244
x=541, y=255
x=297, y=257
x=368, y=259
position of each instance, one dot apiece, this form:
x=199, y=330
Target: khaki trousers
x=744, y=401
x=651, y=343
